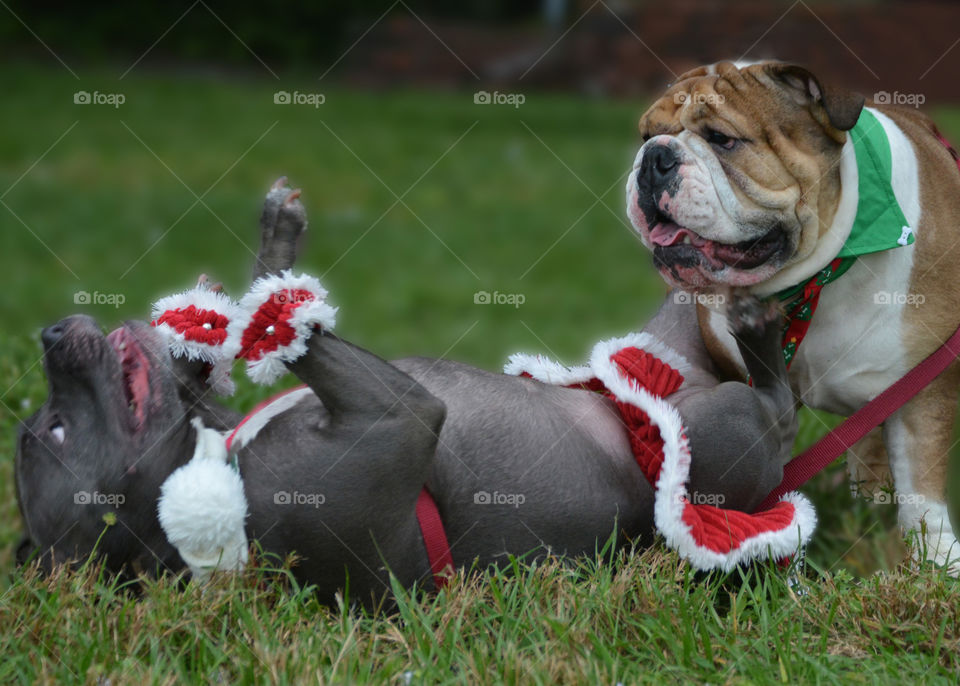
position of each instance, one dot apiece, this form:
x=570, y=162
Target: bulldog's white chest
x=854, y=348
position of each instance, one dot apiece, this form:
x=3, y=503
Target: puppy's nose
x=52, y=334
x=657, y=164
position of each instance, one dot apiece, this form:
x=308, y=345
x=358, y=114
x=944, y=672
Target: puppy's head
x=738, y=175
x=90, y=461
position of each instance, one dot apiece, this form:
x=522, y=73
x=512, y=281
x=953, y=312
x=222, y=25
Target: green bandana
x=879, y=223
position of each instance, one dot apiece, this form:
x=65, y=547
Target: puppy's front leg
x=741, y=436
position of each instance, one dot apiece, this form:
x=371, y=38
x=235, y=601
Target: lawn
x=417, y=202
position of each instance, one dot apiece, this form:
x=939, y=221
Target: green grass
x=512, y=208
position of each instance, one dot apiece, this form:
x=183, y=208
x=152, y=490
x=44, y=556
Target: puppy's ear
x=834, y=107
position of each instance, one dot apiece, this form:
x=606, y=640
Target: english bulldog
x=761, y=176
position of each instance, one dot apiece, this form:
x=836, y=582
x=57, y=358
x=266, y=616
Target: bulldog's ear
x=841, y=107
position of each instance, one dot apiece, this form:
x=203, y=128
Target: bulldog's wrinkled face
x=738, y=173
x=90, y=461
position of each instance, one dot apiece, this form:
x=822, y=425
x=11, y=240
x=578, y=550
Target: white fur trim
x=546, y=370
x=202, y=508
x=671, y=488
x=271, y=366
x=219, y=356
x=253, y=423
x=645, y=342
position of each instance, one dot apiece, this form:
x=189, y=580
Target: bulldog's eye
x=721, y=140
x=57, y=432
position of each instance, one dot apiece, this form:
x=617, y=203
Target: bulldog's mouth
x=135, y=366
x=676, y=245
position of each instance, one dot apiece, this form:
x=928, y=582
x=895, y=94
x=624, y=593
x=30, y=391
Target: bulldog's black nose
x=657, y=164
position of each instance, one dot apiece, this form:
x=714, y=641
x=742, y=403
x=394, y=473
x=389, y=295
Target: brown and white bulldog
x=749, y=177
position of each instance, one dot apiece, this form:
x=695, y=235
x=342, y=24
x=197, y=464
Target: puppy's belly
x=523, y=465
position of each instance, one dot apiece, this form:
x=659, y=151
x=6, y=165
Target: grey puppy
x=370, y=436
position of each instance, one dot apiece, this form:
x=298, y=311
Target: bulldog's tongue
x=668, y=233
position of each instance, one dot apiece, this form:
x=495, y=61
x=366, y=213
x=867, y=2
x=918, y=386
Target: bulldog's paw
x=752, y=317
x=284, y=217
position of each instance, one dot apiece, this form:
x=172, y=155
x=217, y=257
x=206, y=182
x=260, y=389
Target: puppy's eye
x=57, y=432
x=721, y=140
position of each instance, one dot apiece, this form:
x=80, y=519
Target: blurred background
x=462, y=165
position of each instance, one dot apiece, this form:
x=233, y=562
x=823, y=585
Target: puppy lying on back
x=347, y=470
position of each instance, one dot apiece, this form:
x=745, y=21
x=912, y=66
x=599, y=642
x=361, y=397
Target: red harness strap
x=434, y=539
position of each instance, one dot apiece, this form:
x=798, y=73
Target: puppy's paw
x=284, y=218
x=750, y=316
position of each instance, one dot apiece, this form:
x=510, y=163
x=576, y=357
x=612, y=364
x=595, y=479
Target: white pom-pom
x=202, y=508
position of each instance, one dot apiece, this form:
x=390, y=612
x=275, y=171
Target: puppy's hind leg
x=282, y=223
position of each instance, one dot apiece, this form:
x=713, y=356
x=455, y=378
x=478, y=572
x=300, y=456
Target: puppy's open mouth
x=674, y=244
x=136, y=373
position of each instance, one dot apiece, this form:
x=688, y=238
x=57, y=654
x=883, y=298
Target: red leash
x=803, y=467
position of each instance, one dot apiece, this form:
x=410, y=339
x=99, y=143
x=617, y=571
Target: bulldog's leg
x=741, y=436
x=869, y=465
x=918, y=439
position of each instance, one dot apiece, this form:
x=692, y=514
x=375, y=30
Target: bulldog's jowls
x=759, y=176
